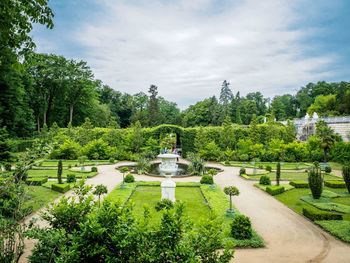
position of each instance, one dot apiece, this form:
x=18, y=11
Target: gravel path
x=289, y=237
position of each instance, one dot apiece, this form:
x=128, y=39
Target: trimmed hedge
x=71, y=178
x=265, y=180
x=129, y=178
x=299, y=184
x=334, y=184
x=94, y=169
x=62, y=188
x=36, y=180
x=274, y=189
x=315, y=214
x=207, y=179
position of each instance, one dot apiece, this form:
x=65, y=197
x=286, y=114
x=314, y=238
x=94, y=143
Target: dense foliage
x=315, y=181
x=83, y=232
x=346, y=175
x=241, y=227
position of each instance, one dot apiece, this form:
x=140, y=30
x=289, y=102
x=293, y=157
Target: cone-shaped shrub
x=346, y=175
x=315, y=181
x=59, y=171
x=278, y=173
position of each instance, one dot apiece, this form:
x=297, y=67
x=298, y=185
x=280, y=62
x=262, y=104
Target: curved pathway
x=289, y=237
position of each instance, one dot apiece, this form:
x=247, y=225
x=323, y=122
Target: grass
x=292, y=176
x=49, y=183
x=53, y=163
x=200, y=201
x=338, y=228
x=39, y=196
x=53, y=173
x=262, y=165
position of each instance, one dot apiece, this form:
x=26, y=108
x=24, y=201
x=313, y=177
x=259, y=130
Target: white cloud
x=187, y=50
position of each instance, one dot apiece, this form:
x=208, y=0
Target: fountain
x=168, y=168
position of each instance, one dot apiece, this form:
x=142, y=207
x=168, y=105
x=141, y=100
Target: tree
x=226, y=97
x=327, y=136
x=346, y=175
x=315, y=181
x=100, y=189
x=278, y=173
x=231, y=191
x=137, y=137
x=153, y=107
x=59, y=171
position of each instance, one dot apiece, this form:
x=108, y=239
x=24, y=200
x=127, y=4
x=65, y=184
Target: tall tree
x=226, y=97
x=153, y=107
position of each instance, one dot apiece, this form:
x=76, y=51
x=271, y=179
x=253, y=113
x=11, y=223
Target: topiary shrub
x=207, y=179
x=241, y=228
x=164, y=204
x=328, y=169
x=71, y=178
x=242, y=171
x=111, y=160
x=315, y=214
x=94, y=169
x=265, y=180
x=268, y=168
x=36, y=180
x=278, y=173
x=334, y=184
x=62, y=188
x=129, y=178
x=315, y=182
x=274, y=189
x=346, y=175
x=299, y=184
x=59, y=171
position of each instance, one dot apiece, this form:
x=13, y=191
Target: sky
x=188, y=47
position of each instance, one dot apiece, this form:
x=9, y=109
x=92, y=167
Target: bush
x=328, y=169
x=241, y=228
x=93, y=169
x=346, y=175
x=71, y=178
x=62, y=188
x=242, y=171
x=268, y=168
x=315, y=214
x=111, y=160
x=334, y=184
x=69, y=166
x=265, y=180
x=164, y=204
x=207, y=179
x=36, y=180
x=299, y=184
x=315, y=182
x=274, y=190
x=69, y=150
x=129, y=178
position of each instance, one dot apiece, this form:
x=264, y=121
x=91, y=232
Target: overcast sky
x=188, y=47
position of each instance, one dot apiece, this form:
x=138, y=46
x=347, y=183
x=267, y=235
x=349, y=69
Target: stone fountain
x=168, y=168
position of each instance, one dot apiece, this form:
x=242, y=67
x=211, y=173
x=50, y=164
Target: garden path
x=289, y=237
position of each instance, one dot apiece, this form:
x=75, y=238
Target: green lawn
x=196, y=207
x=292, y=176
x=53, y=173
x=339, y=228
x=53, y=163
x=39, y=196
x=262, y=165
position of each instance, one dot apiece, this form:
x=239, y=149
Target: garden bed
x=200, y=201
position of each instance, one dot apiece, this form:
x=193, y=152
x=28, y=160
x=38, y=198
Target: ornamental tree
x=231, y=191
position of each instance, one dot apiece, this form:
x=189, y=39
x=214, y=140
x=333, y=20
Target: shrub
x=268, y=168
x=207, y=179
x=299, y=184
x=71, y=178
x=346, y=175
x=241, y=228
x=328, y=169
x=164, y=204
x=212, y=172
x=315, y=181
x=275, y=189
x=278, y=173
x=129, y=178
x=111, y=160
x=242, y=171
x=62, y=188
x=36, y=180
x=265, y=180
x=69, y=150
x=69, y=166
x=94, y=169
x=315, y=214
x=59, y=171
x=334, y=184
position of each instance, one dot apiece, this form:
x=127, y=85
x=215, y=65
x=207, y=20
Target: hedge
x=299, y=184
x=274, y=189
x=315, y=214
x=334, y=184
x=62, y=188
x=36, y=180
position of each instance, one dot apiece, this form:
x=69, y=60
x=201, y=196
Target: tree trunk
x=38, y=123
x=44, y=118
x=230, y=202
x=71, y=108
